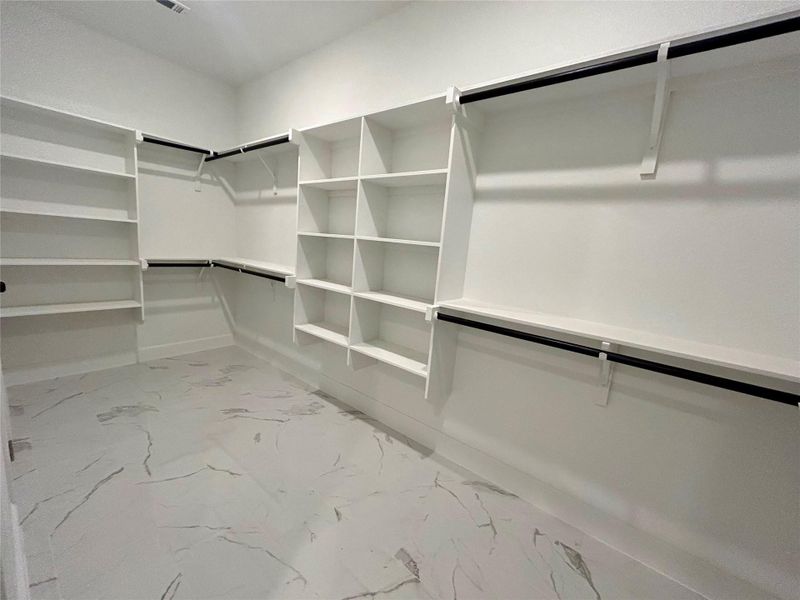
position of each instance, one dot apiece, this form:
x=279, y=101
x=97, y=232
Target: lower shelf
x=330, y=332
x=398, y=300
x=74, y=307
x=395, y=355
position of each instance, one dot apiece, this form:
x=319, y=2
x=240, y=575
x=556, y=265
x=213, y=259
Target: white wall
x=429, y=46
x=56, y=62
x=707, y=472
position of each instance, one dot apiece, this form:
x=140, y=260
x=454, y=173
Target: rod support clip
x=606, y=371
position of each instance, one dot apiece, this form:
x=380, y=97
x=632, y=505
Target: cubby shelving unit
x=370, y=221
x=69, y=209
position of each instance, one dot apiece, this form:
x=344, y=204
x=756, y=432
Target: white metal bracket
x=291, y=281
x=453, y=99
x=271, y=174
x=430, y=312
x=199, y=172
x=139, y=137
x=650, y=159
x=144, y=264
x=606, y=372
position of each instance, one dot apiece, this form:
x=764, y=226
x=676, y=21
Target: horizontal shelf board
x=395, y=355
x=409, y=178
x=340, y=236
x=384, y=240
x=63, y=165
x=733, y=358
x=409, y=302
x=75, y=307
x=58, y=215
x=335, y=183
x=326, y=285
x=326, y=331
x=256, y=265
x=9, y=102
x=68, y=262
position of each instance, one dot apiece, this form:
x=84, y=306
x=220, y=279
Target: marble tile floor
x=215, y=475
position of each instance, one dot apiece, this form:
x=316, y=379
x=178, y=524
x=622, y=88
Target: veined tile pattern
x=215, y=475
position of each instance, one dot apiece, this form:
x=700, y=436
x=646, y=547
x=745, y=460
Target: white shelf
x=386, y=240
x=10, y=102
x=408, y=302
x=733, y=358
x=67, y=262
x=62, y=165
x=395, y=355
x=256, y=265
x=335, y=183
x=75, y=307
x=326, y=331
x=339, y=236
x=326, y=285
x=408, y=178
x=37, y=213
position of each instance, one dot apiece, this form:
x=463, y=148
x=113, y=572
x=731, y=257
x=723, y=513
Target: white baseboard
x=691, y=571
x=187, y=347
x=50, y=371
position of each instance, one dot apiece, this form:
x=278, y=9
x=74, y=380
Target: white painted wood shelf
x=395, y=355
x=332, y=184
x=59, y=215
x=65, y=165
x=386, y=240
x=324, y=284
x=732, y=358
x=339, y=236
x=74, y=307
x=329, y=332
x=68, y=262
x=409, y=178
x=419, y=305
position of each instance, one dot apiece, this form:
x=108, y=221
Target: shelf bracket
x=199, y=172
x=139, y=137
x=650, y=159
x=271, y=174
x=291, y=281
x=606, y=373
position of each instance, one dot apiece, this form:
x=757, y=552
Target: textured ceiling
x=231, y=41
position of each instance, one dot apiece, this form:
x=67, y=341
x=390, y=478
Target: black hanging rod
x=623, y=359
x=249, y=148
x=170, y=144
x=247, y=271
x=676, y=50
x=193, y=264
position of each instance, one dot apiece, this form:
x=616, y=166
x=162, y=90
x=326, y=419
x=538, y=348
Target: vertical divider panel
x=138, y=233
x=456, y=226
x=354, y=361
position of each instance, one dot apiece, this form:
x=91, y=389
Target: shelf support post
x=271, y=174
x=650, y=159
x=199, y=172
x=606, y=373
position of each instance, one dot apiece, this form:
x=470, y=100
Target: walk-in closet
x=400, y=299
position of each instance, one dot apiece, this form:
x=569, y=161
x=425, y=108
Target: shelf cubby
x=65, y=284
x=397, y=274
x=325, y=262
x=391, y=335
x=29, y=236
x=38, y=134
x=410, y=139
x=326, y=210
x=330, y=152
x=321, y=314
x=37, y=188
x=400, y=213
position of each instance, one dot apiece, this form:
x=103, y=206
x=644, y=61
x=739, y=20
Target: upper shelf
x=722, y=356
x=8, y=103
x=778, y=52
x=60, y=215
x=67, y=262
x=335, y=183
